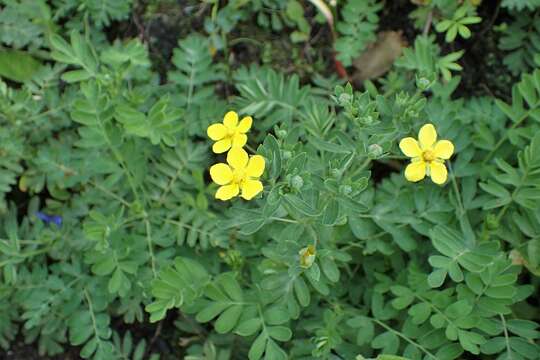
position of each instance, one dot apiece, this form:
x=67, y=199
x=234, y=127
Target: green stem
x=508, y=349
x=120, y=160
x=314, y=234
x=457, y=192
x=404, y=337
x=92, y=316
x=284, y=220
x=251, y=149
x=111, y=194
x=150, y=246
x=362, y=167
x=435, y=308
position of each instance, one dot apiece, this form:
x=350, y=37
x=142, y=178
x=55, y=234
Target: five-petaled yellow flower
x=230, y=134
x=241, y=175
x=427, y=155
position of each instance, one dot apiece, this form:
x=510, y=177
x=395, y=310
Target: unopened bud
x=297, y=182
x=307, y=256
x=345, y=98
x=281, y=133
x=374, y=151
x=345, y=189
x=286, y=154
x=492, y=222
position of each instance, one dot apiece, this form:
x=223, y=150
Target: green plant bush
x=110, y=222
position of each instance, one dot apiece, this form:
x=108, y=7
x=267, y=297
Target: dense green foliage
x=108, y=216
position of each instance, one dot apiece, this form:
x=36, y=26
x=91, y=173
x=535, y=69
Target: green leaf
x=330, y=269
x=420, y=312
x=501, y=292
x=231, y=286
x=458, y=309
x=105, y=266
x=365, y=327
x=280, y=333
x=388, y=342
x=302, y=291
x=276, y=315
x=300, y=205
x=248, y=327
x=272, y=152
x=257, y=347
x=228, y=319
x=331, y=213
x=117, y=280
x=18, y=65
x=211, y=311
x=437, y=277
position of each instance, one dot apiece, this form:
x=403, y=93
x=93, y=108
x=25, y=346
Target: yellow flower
x=307, y=256
x=230, y=134
x=427, y=155
x=240, y=175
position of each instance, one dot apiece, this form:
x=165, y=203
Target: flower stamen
x=428, y=155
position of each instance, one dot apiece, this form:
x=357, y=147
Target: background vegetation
x=112, y=245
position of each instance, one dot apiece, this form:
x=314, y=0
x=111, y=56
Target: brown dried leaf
x=379, y=56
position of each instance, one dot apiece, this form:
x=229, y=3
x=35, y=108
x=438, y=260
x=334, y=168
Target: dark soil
x=483, y=70
x=21, y=351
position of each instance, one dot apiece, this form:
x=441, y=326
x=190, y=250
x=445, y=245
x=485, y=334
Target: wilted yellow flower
x=240, y=175
x=307, y=256
x=230, y=134
x=427, y=155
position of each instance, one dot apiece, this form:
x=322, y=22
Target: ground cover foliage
x=121, y=239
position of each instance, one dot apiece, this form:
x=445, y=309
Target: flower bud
x=492, y=222
x=344, y=98
x=367, y=120
x=307, y=256
x=345, y=189
x=516, y=258
x=402, y=99
x=286, y=154
x=423, y=83
x=297, y=182
x=375, y=151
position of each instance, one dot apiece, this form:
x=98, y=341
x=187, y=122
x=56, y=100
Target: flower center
x=239, y=175
x=428, y=155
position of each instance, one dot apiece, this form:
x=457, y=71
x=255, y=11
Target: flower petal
x=245, y=124
x=409, y=146
x=222, y=145
x=237, y=158
x=239, y=140
x=427, y=136
x=221, y=174
x=230, y=120
x=255, y=167
x=443, y=149
x=250, y=188
x=216, y=131
x=227, y=192
x=438, y=172
x=415, y=171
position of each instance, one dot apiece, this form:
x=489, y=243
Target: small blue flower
x=47, y=219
